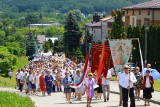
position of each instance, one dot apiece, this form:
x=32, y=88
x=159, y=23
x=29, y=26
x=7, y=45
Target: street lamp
x=145, y=54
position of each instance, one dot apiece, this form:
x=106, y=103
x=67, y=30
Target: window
x=148, y=12
x=132, y=12
x=139, y=12
x=127, y=12
x=133, y=20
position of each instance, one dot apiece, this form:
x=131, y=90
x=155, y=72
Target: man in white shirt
x=126, y=80
x=106, y=84
x=120, y=88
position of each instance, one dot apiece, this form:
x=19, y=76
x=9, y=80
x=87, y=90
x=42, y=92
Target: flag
x=120, y=51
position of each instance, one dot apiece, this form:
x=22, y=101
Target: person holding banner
x=89, y=85
x=79, y=89
x=127, y=79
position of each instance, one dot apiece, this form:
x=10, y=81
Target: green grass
x=157, y=85
x=114, y=78
x=5, y=81
x=9, y=99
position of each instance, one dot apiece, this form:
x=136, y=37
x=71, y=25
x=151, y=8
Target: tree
x=78, y=54
x=2, y=37
x=31, y=47
x=72, y=32
x=31, y=18
x=130, y=32
x=46, y=46
x=7, y=60
x=118, y=31
x=51, y=43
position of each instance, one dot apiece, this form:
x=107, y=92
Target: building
x=52, y=38
x=101, y=28
x=143, y=13
x=41, y=39
x=45, y=25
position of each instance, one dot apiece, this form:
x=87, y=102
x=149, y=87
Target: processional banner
x=120, y=51
x=100, y=59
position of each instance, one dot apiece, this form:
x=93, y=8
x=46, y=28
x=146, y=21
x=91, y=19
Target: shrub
x=9, y=99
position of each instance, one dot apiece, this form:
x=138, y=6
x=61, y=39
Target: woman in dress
x=49, y=82
x=25, y=79
x=59, y=80
x=147, y=87
x=89, y=85
x=37, y=81
x=67, y=89
x=33, y=82
x=137, y=85
x=42, y=84
x=78, y=90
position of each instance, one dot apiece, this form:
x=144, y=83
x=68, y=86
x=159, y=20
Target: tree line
x=19, y=7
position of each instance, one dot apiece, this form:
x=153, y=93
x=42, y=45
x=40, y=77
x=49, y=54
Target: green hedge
x=8, y=99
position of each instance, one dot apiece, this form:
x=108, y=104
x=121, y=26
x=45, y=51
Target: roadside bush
x=7, y=60
x=9, y=99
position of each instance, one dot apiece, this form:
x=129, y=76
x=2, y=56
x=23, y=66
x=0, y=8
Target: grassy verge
x=5, y=81
x=8, y=99
x=113, y=78
x=157, y=85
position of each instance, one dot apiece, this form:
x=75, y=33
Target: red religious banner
x=96, y=56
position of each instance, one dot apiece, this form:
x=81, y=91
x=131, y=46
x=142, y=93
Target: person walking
x=42, y=83
x=37, y=81
x=10, y=74
x=67, y=89
x=137, y=85
x=106, y=85
x=49, y=82
x=120, y=88
x=78, y=90
x=127, y=79
x=147, y=87
x=26, y=80
x=89, y=85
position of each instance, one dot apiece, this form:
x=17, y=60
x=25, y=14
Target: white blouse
x=148, y=85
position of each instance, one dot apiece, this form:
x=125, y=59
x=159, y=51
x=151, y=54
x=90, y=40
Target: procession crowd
x=47, y=75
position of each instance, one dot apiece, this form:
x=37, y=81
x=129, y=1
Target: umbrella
x=153, y=72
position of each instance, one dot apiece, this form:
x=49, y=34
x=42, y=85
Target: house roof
x=152, y=4
x=106, y=18
x=94, y=24
x=41, y=38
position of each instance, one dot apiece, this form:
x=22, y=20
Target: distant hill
x=63, y=6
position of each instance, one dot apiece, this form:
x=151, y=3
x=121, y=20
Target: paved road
x=155, y=95
x=58, y=100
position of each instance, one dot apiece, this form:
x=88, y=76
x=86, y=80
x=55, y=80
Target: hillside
x=62, y=6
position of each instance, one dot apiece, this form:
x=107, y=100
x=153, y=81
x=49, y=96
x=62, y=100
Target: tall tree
x=31, y=47
x=118, y=30
x=72, y=32
x=46, y=46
